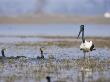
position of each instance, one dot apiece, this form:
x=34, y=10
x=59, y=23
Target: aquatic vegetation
x=63, y=63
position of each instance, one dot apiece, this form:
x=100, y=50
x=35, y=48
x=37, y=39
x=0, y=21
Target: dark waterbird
x=42, y=53
x=86, y=46
x=3, y=57
x=3, y=52
x=48, y=79
x=11, y=57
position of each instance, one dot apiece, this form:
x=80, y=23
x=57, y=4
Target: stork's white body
x=86, y=46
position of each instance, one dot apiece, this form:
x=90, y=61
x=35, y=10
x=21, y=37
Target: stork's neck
x=83, y=38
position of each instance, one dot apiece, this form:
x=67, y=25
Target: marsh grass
x=73, y=42
x=51, y=67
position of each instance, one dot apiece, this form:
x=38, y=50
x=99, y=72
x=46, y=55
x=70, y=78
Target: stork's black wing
x=92, y=47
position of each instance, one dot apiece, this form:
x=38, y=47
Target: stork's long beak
x=79, y=34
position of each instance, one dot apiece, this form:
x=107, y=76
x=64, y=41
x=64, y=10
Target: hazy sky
x=81, y=7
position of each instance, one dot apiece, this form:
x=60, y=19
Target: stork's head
x=81, y=30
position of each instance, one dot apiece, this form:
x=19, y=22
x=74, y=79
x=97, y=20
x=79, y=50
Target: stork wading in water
x=86, y=46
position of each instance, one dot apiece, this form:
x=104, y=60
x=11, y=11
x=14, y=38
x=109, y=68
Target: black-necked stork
x=86, y=46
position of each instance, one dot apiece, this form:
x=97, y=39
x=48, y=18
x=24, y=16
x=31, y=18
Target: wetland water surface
x=63, y=63
x=67, y=66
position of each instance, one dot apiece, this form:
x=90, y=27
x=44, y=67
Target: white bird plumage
x=86, y=46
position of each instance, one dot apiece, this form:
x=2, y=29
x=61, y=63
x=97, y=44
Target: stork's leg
x=89, y=55
x=88, y=58
x=84, y=54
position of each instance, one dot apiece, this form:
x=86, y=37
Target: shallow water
x=57, y=51
x=65, y=67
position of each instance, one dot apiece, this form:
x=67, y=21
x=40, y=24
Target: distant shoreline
x=67, y=41
x=54, y=36
x=55, y=19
